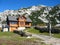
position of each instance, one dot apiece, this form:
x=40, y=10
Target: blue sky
x=17, y=4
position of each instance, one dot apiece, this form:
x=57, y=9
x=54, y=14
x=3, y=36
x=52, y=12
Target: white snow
x=57, y=20
x=57, y=25
x=43, y=19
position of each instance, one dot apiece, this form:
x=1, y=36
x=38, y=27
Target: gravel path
x=47, y=39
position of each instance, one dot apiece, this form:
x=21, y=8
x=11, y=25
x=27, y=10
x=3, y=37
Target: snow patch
x=44, y=20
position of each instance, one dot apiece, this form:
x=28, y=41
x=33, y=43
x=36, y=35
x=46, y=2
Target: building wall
x=28, y=25
x=12, y=29
x=15, y=25
x=20, y=23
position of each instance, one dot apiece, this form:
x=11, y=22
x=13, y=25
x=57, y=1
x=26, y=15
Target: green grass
x=15, y=39
x=10, y=36
x=35, y=31
x=56, y=35
x=32, y=30
x=6, y=33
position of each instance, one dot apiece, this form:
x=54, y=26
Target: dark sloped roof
x=28, y=19
x=14, y=18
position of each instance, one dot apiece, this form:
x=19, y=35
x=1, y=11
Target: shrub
x=53, y=30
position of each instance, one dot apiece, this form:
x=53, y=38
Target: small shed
x=5, y=28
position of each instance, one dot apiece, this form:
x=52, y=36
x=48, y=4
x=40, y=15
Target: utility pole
x=49, y=25
x=50, y=28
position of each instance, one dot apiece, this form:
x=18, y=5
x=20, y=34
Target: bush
x=53, y=30
x=21, y=33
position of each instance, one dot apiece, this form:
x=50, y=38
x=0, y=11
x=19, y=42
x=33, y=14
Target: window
x=22, y=23
x=13, y=22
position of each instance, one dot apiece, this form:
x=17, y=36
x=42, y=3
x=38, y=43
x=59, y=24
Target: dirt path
x=47, y=39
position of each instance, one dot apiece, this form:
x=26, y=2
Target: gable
x=14, y=18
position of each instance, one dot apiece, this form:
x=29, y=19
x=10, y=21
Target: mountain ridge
x=38, y=14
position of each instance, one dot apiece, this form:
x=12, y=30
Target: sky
x=17, y=4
